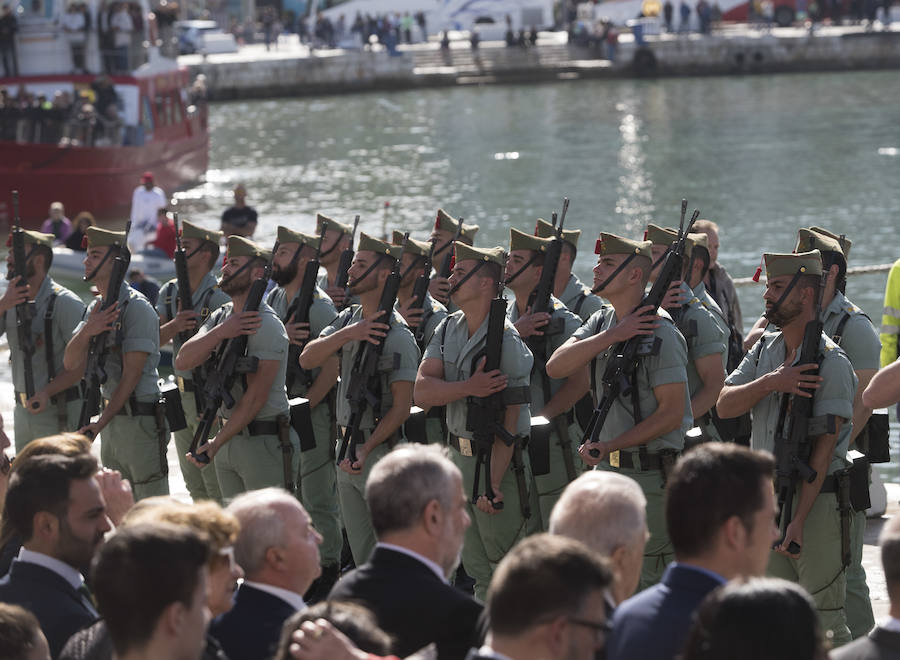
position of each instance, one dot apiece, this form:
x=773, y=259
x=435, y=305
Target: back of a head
x=541, y=578
x=20, y=634
x=603, y=510
x=890, y=557
x=757, y=618
x=355, y=621
x=64, y=444
x=206, y=517
x=259, y=513
x=710, y=484
x=402, y=483
x=141, y=570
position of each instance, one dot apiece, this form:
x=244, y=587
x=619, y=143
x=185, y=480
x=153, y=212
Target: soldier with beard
x=318, y=486
x=56, y=402
x=379, y=428
x=445, y=228
x=247, y=452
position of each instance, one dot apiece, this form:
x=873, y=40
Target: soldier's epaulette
x=694, y=301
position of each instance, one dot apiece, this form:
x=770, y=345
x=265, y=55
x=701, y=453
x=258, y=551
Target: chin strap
x=411, y=266
x=768, y=314
x=534, y=257
x=619, y=269
x=465, y=278
x=93, y=273
x=368, y=270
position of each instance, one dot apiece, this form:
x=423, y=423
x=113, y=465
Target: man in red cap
x=146, y=200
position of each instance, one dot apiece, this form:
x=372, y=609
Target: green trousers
x=252, y=462
x=858, y=607
x=819, y=569
x=658, y=552
x=132, y=446
x=491, y=535
x=318, y=485
x=30, y=427
x=202, y=484
x=354, y=512
x=550, y=486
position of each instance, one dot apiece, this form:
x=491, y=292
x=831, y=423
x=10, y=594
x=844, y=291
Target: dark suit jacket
x=880, y=644
x=654, y=624
x=60, y=609
x=413, y=605
x=251, y=629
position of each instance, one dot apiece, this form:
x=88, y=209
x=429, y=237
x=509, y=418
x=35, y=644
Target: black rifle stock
x=25, y=311
x=362, y=390
x=448, y=258
x=301, y=311
x=615, y=380
x=95, y=370
x=420, y=290
x=343, y=274
x=185, y=295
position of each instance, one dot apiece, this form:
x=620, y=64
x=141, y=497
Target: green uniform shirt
x=435, y=312
x=269, y=342
x=668, y=365
x=138, y=331
x=323, y=283
x=206, y=299
x=578, y=298
x=704, y=336
x=68, y=310
x=707, y=300
x=834, y=396
x=570, y=323
x=859, y=338
x=457, y=350
x=399, y=362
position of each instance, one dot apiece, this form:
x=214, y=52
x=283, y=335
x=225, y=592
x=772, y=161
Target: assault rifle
x=448, y=258
x=343, y=274
x=616, y=380
x=420, y=290
x=185, y=297
x=95, y=370
x=301, y=310
x=25, y=311
x=224, y=368
x=363, y=390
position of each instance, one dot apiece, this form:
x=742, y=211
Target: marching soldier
x=644, y=431
x=255, y=446
x=377, y=431
x=56, y=401
x=771, y=368
x=201, y=248
x=318, y=480
x=554, y=452
x=133, y=424
x=702, y=329
x=444, y=237
x=568, y=288
x=452, y=370
x=338, y=237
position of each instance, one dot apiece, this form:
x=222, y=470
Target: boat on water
x=71, y=134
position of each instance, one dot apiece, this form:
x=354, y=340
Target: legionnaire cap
x=843, y=240
x=699, y=238
x=812, y=239
x=369, y=244
x=332, y=224
x=545, y=230
x=447, y=222
x=97, y=237
x=777, y=265
x=286, y=235
x=660, y=236
x=418, y=248
x=612, y=244
x=34, y=238
x=238, y=246
x=190, y=230
x=463, y=252
x=519, y=240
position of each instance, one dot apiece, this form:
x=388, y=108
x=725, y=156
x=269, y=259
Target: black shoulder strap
x=838, y=335
x=204, y=305
x=170, y=300
x=578, y=303
x=48, y=337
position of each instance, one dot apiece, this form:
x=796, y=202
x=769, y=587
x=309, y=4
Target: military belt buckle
x=465, y=447
x=23, y=398
x=180, y=381
x=614, y=458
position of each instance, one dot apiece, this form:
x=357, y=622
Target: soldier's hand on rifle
x=675, y=296
x=585, y=452
x=790, y=379
x=337, y=295
x=210, y=448
x=16, y=294
x=412, y=315
x=355, y=467
x=484, y=383
x=529, y=324
x=794, y=532
x=38, y=403
x=641, y=321
x=370, y=330
x=101, y=320
x=297, y=332
x=186, y=320
x=241, y=323
x=487, y=506
x=439, y=288
x=90, y=431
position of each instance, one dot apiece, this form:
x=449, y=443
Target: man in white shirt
x=146, y=200
x=278, y=548
x=56, y=506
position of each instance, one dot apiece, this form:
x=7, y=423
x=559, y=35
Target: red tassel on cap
x=646, y=234
x=452, y=261
x=757, y=274
x=437, y=221
x=84, y=242
x=9, y=240
x=598, y=246
x=536, y=225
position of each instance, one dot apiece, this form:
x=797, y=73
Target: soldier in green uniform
x=422, y=321
x=851, y=329
x=133, y=425
x=378, y=429
x=255, y=447
x=451, y=371
x=338, y=237
x=554, y=454
x=573, y=293
x=445, y=228
x=318, y=478
x=768, y=371
x=201, y=248
x=702, y=329
x=644, y=431
x=56, y=400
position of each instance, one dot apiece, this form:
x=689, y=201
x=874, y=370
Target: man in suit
x=547, y=600
x=720, y=511
x=883, y=643
x=418, y=508
x=55, y=505
x=278, y=548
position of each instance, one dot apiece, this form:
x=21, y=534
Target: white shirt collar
x=892, y=625
x=415, y=555
x=292, y=598
x=69, y=574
